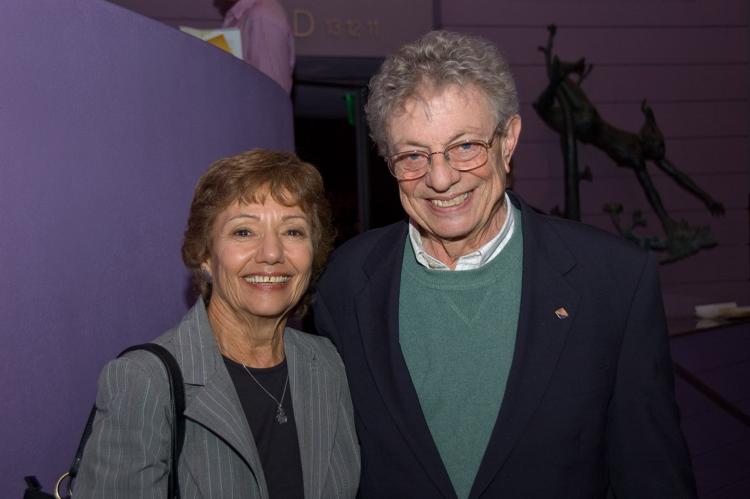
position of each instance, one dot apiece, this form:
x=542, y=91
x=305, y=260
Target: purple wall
x=107, y=119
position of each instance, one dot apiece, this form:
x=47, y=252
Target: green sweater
x=457, y=331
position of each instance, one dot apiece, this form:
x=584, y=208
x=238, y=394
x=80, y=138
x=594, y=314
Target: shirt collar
x=474, y=260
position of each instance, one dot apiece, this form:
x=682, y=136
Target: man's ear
x=510, y=139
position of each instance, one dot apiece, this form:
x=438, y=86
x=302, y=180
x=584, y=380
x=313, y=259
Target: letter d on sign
x=304, y=23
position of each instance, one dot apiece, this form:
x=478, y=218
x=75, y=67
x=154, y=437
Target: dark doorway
x=330, y=132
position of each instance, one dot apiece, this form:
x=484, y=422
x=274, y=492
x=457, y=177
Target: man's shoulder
x=578, y=237
x=372, y=251
x=596, y=254
x=588, y=236
x=363, y=245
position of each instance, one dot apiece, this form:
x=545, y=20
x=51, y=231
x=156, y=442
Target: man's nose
x=441, y=175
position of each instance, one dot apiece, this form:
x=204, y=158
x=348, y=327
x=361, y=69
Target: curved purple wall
x=107, y=119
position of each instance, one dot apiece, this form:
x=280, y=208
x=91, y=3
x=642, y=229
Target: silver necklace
x=280, y=413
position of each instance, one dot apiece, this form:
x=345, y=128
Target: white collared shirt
x=475, y=259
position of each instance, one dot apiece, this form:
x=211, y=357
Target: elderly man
x=492, y=351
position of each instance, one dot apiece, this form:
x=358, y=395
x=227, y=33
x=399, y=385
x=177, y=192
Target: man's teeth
x=266, y=279
x=446, y=203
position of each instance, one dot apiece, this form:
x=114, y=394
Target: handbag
x=177, y=396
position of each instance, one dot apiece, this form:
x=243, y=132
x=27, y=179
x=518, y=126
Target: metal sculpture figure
x=565, y=108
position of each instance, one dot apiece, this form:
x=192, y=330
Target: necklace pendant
x=281, y=415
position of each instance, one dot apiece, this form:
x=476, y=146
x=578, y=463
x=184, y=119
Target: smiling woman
x=260, y=262
x=252, y=178
x=268, y=411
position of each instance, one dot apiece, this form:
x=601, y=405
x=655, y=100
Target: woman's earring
x=206, y=273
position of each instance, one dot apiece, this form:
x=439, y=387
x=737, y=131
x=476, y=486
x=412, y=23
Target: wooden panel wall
x=689, y=58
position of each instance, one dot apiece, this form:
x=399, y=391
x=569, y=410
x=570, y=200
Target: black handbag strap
x=177, y=396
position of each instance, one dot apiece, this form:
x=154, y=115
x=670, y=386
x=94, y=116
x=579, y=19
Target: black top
x=276, y=442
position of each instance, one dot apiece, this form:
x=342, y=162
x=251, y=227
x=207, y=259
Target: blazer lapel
x=377, y=304
x=315, y=402
x=212, y=400
x=540, y=338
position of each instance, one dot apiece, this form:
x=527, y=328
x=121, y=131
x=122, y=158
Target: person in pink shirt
x=267, y=41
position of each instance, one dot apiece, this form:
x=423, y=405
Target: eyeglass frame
x=486, y=144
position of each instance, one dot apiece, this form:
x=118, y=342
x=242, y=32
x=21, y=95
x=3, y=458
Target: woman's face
x=260, y=258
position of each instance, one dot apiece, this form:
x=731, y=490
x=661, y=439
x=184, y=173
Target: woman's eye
x=242, y=233
x=295, y=232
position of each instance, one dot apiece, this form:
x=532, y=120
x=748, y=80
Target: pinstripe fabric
x=127, y=454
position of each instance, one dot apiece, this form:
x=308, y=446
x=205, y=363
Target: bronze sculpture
x=566, y=108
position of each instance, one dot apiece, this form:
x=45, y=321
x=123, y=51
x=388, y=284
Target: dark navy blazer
x=589, y=405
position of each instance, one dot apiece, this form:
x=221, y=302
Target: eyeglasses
x=462, y=156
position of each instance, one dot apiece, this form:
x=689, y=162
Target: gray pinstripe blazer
x=127, y=455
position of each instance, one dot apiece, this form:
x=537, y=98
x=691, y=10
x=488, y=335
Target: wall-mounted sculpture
x=565, y=108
